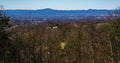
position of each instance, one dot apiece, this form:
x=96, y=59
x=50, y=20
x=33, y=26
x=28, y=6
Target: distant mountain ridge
x=52, y=13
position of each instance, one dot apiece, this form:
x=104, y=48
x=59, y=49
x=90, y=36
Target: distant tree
x=117, y=13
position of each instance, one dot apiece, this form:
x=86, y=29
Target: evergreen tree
x=5, y=42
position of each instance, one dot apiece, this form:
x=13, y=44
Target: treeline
x=60, y=42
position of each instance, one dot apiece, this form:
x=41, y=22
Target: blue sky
x=60, y=4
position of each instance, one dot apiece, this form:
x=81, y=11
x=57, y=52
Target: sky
x=60, y=4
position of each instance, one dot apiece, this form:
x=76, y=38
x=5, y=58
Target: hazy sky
x=60, y=4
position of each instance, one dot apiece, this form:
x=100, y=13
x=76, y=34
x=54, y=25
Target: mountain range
x=52, y=13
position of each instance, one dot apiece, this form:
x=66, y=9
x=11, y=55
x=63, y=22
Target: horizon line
x=59, y=9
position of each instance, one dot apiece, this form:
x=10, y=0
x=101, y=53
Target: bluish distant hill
x=51, y=13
